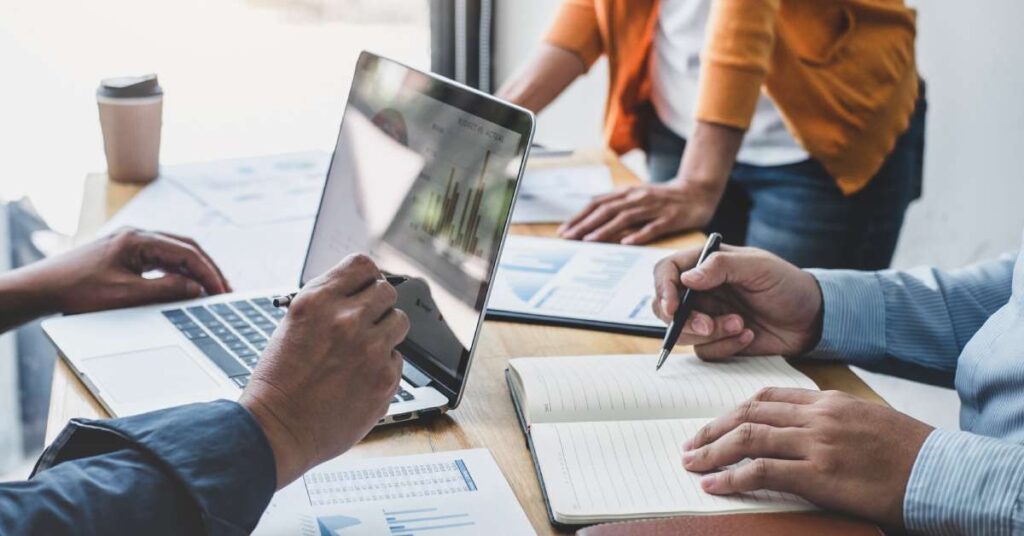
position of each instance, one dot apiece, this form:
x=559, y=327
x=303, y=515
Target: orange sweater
x=842, y=72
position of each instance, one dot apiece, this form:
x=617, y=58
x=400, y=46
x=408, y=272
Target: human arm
x=913, y=322
x=570, y=48
x=544, y=77
x=735, y=61
x=107, y=274
x=641, y=214
x=325, y=379
x=847, y=454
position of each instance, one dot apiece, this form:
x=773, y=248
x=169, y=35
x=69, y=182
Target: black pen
x=286, y=300
x=685, y=304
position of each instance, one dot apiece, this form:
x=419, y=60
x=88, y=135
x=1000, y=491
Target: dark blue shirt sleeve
x=196, y=469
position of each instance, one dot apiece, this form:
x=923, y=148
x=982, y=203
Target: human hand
x=642, y=214
x=750, y=302
x=833, y=449
x=331, y=368
x=107, y=274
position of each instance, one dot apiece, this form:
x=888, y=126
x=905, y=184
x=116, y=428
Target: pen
x=685, y=304
x=286, y=300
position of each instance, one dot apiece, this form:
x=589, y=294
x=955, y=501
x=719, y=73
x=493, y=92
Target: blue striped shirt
x=963, y=328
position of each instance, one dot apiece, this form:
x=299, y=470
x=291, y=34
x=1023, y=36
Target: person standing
x=796, y=126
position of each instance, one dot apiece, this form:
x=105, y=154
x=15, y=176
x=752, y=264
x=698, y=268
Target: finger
x=787, y=476
x=167, y=288
x=393, y=327
x=724, y=267
x=748, y=440
x=375, y=301
x=724, y=348
x=193, y=243
x=614, y=228
x=172, y=256
x=667, y=286
x=649, y=233
x=593, y=205
x=701, y=329
x=779, y=414
x=789, y=395
x=351, y=275
x=598, y=218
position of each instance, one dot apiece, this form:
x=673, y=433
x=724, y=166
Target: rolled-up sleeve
x=912, y=323
x=202, y=468
x=964, y=483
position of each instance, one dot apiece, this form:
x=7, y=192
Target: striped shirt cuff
x=854, y=322
x=964, y=483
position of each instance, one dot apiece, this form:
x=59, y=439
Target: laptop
x=423, y=177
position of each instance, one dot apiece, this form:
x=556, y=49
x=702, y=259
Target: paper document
x=253, y=255
x=577, y=280
x=553, y=195
x=633, y=469
x=256, y=190
x=622, y=387
x=442, y=493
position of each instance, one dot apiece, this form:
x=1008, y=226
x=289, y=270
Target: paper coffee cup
x=130, y=116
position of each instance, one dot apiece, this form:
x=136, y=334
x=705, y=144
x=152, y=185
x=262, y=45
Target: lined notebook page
x=623, y=469
x=626, y=387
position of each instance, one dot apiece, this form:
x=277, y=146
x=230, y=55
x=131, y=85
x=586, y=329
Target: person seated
x=963, y=328
x=749, y=111
x=325, y=379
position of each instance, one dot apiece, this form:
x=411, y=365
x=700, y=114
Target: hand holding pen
x=685, y=304
x=286, y=300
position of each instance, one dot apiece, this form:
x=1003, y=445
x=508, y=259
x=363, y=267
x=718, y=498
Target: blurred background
x=271, y=76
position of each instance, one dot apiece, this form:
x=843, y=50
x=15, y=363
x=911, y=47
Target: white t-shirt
x=675, y=71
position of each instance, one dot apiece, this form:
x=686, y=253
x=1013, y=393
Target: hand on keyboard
x=330, y=369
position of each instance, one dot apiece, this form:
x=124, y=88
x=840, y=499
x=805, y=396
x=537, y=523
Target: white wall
x=973, y=60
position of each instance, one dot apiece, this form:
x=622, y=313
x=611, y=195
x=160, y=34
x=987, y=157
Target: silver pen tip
x=661, y=359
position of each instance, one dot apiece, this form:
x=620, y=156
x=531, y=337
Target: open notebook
x=606, y=432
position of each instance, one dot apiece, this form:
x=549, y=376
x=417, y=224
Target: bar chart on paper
x=556, y=279
x=439, y=494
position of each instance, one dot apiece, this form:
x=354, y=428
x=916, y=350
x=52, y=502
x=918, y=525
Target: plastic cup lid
x=126, y=87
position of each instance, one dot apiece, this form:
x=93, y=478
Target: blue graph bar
x=470, y=484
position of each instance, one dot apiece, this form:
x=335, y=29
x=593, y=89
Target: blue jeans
x=798, y=212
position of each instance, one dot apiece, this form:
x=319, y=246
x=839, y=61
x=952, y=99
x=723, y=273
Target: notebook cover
x=570, y=322
x=789, y=524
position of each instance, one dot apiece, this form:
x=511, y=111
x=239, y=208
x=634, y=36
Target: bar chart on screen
x=444, y=493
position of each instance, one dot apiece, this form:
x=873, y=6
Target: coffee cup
x=130, y=116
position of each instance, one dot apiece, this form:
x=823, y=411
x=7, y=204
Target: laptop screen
x=422, y=179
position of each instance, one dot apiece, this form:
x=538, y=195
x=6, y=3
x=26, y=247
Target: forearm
x=204, y=468
x=963, y=483
x=22, y=298
x=708, y=160
x=912, y=323
x=547, y=74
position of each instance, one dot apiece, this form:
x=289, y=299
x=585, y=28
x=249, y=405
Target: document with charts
x=606, y=432
x=442, y=493
x=555, y=194
x=562, y=282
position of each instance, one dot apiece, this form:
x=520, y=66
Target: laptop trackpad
x=148, y=375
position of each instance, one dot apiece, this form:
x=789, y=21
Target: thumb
x=719, y=269
x=167, y=288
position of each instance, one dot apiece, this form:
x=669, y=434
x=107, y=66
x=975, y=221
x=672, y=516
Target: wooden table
x=485, y=418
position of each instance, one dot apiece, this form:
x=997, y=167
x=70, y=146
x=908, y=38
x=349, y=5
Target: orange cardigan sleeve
x=740, y=39
x=576, y=30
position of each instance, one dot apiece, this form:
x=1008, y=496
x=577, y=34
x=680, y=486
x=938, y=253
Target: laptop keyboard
x=234, y=334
